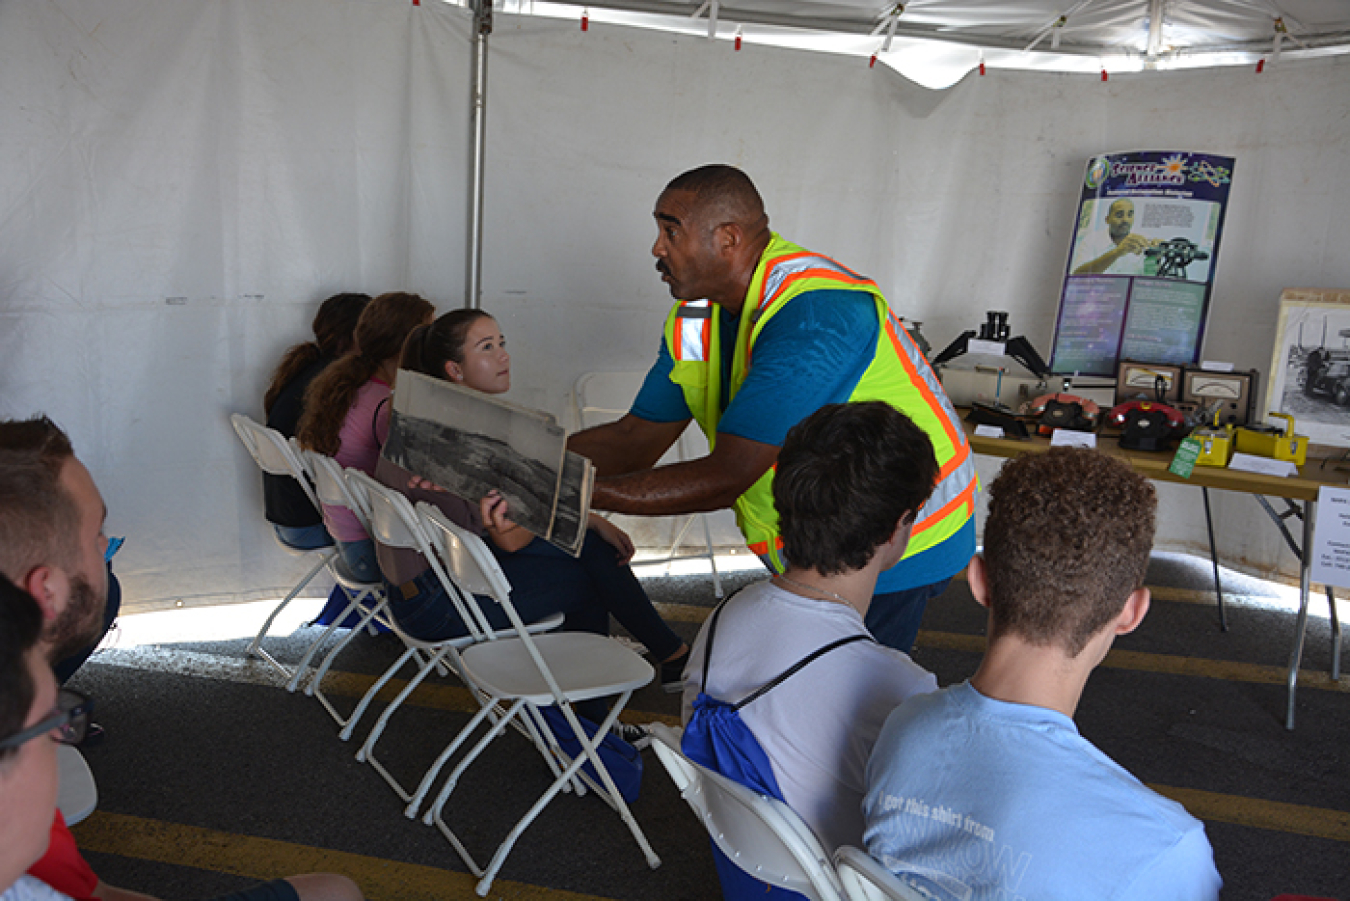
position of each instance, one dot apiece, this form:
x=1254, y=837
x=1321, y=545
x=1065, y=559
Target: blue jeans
x=303, y=538
x=545, y=580
x=894, y=617
x=358, y=557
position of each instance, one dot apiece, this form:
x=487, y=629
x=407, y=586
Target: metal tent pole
x=482, y=20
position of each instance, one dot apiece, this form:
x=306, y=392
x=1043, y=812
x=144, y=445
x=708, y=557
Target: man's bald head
x=723, y=194
x=711, y=230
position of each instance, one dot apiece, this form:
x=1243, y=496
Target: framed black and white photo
x=1310, y=367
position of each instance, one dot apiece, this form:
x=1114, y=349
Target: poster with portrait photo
x=1141, y=260
x=1310, y=366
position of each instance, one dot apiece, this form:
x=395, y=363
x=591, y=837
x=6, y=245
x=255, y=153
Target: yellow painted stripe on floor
x=1273, y=815
x=1171, y=664
x=439, y=696
x=264, y=858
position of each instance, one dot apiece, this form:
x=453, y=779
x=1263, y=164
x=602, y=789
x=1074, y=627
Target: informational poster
x=1331, y=538
x=1141, y=262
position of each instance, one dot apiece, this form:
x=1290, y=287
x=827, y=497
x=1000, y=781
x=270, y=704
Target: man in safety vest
x=765, y=334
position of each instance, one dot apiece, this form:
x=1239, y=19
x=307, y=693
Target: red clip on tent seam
x=1260, y=66
x=738, y=39
x=586, y=20
x=1104, y=75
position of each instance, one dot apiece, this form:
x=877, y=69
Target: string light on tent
x=890, y=22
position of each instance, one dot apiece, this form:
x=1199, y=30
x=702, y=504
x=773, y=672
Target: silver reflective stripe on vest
x=920, y=364
x=779, y=271
x=959, y=479
x=692, y=318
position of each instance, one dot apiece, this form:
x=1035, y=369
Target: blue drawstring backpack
x=716, y=737
x=623, y=761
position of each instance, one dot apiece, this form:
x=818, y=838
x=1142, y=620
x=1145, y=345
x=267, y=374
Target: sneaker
x=635, y=735
x=672, y=674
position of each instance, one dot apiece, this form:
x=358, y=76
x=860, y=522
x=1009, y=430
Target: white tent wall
x=184, y=180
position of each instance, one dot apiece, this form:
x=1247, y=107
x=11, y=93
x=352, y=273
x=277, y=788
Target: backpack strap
x=781, y=677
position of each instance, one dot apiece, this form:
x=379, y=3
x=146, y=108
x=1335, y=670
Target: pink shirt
x=363, y=434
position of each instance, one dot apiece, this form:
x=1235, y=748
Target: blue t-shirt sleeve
x=1185, y=872
x=811, y=353
x=660, y=399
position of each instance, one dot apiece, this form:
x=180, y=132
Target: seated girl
x=347, y=411
x=288, y=509
x=466, y=347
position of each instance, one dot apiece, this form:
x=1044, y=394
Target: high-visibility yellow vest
x=898, y=374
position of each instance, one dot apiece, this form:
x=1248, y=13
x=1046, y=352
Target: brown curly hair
x=380, y=332
x=333, y=326
x=1066, y=542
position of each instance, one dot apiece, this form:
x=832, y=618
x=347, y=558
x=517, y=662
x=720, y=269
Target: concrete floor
x=212, y=776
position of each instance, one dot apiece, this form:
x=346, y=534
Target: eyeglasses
x=70, y=719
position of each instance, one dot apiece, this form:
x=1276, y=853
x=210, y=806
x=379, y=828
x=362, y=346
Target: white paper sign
x=1070, y=438
x=1263, y=465
x=1331, y=541
x=989, y=431
x=992, y=348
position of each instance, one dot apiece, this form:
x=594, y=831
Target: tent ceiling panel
x=1071, y=27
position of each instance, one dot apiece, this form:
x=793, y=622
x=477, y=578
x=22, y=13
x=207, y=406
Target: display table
x=1299, y=494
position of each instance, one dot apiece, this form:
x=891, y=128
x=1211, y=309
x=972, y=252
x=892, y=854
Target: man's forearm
x=626, y=446
x=708, y=483
x=665, y=491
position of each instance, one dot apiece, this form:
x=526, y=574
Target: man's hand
x=1135, y=244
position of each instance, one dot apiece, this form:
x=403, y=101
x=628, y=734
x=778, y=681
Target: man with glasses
x=31, y=714
x=52, y=546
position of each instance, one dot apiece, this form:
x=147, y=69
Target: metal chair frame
x=589, y=414
x=522, y=673
x=394, y=523
x=275, y=455
x=865, y=879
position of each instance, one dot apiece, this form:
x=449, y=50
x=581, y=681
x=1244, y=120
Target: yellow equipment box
x=1274, y=442
x=1216, y=445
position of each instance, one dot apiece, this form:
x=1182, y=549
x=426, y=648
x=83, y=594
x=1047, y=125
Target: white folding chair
x=77, y=793
x=523, y=673
x=366, y=599
x=602, y=397
x=761, y=835
x=394, y=523
x=865, y=879
x=276, y=456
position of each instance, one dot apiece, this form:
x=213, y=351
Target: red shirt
x=63, y=867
